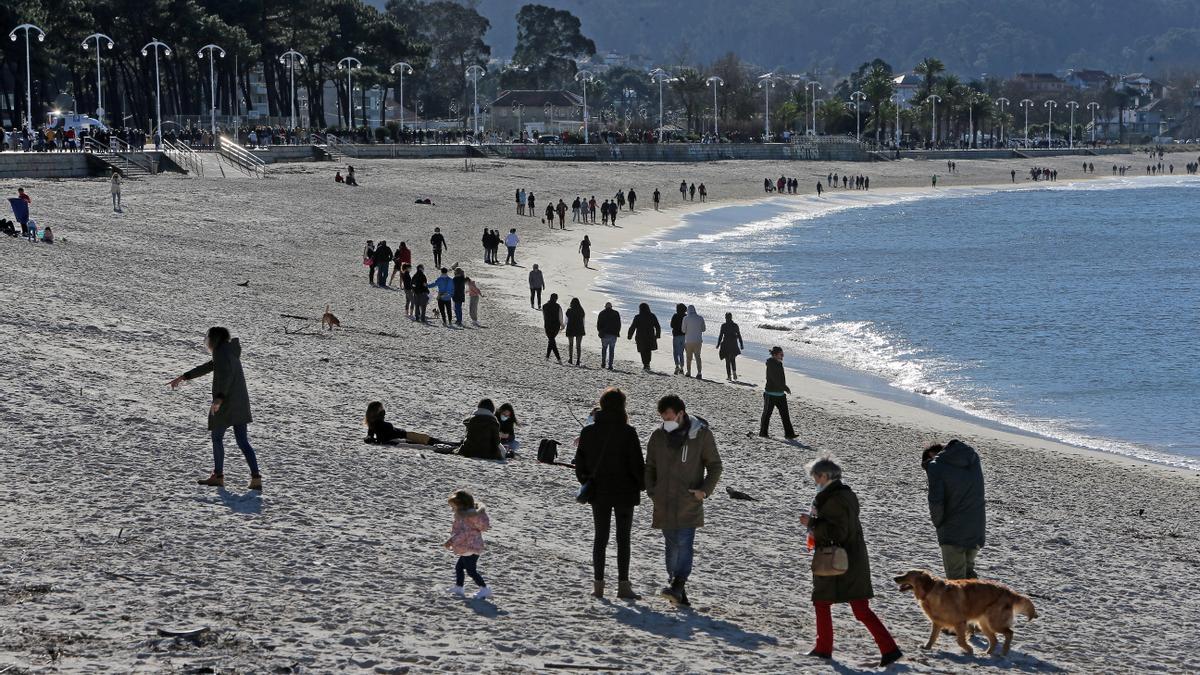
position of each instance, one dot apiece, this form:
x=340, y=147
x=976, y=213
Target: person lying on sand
x=382, y=432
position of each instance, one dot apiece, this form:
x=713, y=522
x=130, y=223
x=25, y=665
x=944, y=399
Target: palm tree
x=929, y=68
x=878, y=86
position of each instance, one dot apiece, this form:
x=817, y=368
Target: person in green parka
x=834, y=521
x=230, y=403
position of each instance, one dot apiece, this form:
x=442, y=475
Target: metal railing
x=241, y=158
x=337, y=144
x=183, y=155
x=97, y=147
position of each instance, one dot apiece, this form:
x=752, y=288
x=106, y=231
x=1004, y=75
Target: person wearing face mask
x=508, y=428
x=230, y=403
x=834, y=521
x=682, y=470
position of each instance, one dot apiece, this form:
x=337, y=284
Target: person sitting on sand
x=508, y=429
x=350, y=179
x=8, y=227
x=382, y=432
x=483, y=433
x=48, y=235
x=337, y=178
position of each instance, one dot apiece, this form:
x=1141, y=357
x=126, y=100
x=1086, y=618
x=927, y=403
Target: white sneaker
x=484, y=593
x=456, y=590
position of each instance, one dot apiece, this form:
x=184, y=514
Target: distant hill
x=971, y=36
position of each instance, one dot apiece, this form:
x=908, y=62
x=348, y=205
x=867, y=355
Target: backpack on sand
x=547, y=451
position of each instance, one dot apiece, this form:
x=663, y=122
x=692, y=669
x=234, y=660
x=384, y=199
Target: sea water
x=1066, y=311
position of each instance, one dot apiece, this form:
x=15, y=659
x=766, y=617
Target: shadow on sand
x=248, y=503
x=687, y=624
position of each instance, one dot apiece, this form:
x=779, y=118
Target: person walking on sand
x=553, y=321
x=575, y=332
x=608, y=327
x=632, y=199
x=677, y=336
x=647, y=331
x=657, y=196
x=537, y=282
x=230, y=405
x=834, y=521
x=819, y=188
x=402, y=257
x=682, y=470
x=473, y=294
x=420, y=291
x=612, y=472
x=466, y=541
x=585, y=249
x=381, y=261
x=729, y=345
x=693, y=340
x=531, y=205
x=775, y=396
x=562, y=214
x=115, y=189
x=956, y=505
x=511, y=242
x=550, y=215
x=683, y=190
x=445, y=293
x=703, y=193
x=459, y=294
x=438, y=242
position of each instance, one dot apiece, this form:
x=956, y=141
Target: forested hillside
x=970, y=36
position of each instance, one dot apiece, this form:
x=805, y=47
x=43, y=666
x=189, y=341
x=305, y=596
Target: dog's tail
x=326, y=309
x=1023, y=605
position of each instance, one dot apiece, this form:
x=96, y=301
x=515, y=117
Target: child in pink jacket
x=466, y=540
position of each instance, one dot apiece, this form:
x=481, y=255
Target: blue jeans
x=466, y=567
x=608, y=348
x=243, y=442
x=679, y=552
x=677, y=349
x=458, y=312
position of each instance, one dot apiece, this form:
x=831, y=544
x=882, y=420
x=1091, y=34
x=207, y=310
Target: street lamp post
x=157, y=46
x=518, y=109
x=349, y=63
x=715, y=82
x=401, y=68
x=896, y=128
x=815, y=85
x=290, y=57
x=1026, y=104
x=475, y=71
x=935, y=99
x=1050, y=106
x=971, y=119
x=1093, y=106
x=99, y=92
x=583, y=77
x=1003, y=103
x=41, y=37
x=857, y=98
x=1071, y=105
x=766, y=82
x=659, y=75
x=212, y=78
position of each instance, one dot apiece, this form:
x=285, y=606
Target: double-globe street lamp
x=766, y=82
x=659, y=75
x=98, y=37
x=1071, y=105
x=1003, y=103
x=857, y=98
x=1093, y=106
x=402, y=69
x=291, y=57
x=212, y=78
x=934, y=99
x=715, y=82
x=1026, y=104
x=166, y=51
x=475, y=71
x=1050, y=106
x=583, y=77
x=41, y=37
x=349, y=64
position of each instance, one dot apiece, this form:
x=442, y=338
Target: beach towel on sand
x=20, y=210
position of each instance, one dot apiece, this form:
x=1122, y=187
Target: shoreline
x=831, y=396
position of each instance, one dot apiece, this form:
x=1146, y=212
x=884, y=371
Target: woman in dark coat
x=483, y=433
x=729, y=345
x=609, y=463
x=647, y=331
x=230, y=403
x=575, y=332
x=834, y=521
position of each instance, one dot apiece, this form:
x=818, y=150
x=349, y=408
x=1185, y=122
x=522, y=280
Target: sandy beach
x=106, y=539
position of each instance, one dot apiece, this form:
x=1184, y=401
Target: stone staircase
x=122, y=165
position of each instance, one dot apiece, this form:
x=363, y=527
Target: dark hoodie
x=677, y=320
x=956, y=496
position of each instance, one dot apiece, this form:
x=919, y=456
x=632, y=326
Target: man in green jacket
x=682, y=470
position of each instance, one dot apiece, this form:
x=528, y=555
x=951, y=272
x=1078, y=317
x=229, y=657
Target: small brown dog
x=329, y=321
x=955, y=604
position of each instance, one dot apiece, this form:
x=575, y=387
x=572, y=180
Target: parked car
x=548, y=139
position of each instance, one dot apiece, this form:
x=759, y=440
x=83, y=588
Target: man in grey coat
x=956, y=504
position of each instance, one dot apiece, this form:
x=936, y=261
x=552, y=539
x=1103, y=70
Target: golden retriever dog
x=955, y=604
x=329, y=321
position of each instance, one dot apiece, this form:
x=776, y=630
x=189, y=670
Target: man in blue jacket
x=956, y=505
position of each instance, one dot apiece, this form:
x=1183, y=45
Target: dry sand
x=104, y=538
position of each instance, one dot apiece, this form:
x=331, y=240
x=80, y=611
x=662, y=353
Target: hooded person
x=646, y=329
x=682, y=470
x=483, y=433
x=956, y=505
x=693, y=339
x=230, y=405
x=677, y=336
